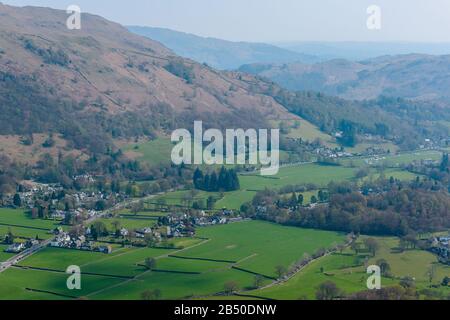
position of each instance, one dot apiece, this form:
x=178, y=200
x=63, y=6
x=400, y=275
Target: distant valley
x=414, y=76
x=221, y=54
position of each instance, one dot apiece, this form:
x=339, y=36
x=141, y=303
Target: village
x=82, y=222
x=441, y=247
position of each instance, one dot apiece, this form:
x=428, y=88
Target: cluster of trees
x=396, y=209
x=349, y=130
x=405, y=290
x=49, y=55
x=404, y=122
x=178, y=68
x=225, y=180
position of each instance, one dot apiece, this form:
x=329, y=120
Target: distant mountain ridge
x=103, y=82
x=92, y=87
x=413, y=76
x=220, y=54
x=357, y=51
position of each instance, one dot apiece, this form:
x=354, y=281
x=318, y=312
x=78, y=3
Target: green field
x=348, y=272
x=260, y=246
x=313, y=173
x=21, y=224
x=252, y=245
x=129, y=223
x=15, y=283
x=198, y=268
x=153, y=152
x=176, y=286
x=307, y=131
x=302, y=174
x=397, y=159
x=23, y=219
x=361, y=147
x=4, y=255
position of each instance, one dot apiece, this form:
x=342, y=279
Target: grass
x=25, y=232
x=295, y=175
x=4, y=255
x=304, y=284
x=308, y=132
x=319, y=175
x=348, y=272
x=122, y=262
x=153, y=152
x=397, y=160
x=15, y=281
x=60, y=259
x=22, y=218
x=128, y=223
x=361, y=147
x=20, y=223
x=260, y=246
x=175, y=264
x=253, y=245
x=412, y=263
x=176, y=286
x=229, y=200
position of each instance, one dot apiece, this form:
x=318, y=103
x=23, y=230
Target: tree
x=444, y=162
x=198, y=179
x=313, y=199
x=231, y=287
x=322, y=195
x=327, y=291
x=161, y=203
x=258, y=281
x=101, y=229
x=300, y=199
x=280, y=271
x=210, y=203
x=150, y=263
x=17, y=201
x=355, y=246
x=293, y=202
x=151, y=295
x=340, y=247
x=372, y=245
x=385, y=268
x=9, y=238
x=213, y=182
x=407, y=282
x=137, y=207
x=431, y=273
x=100, y=205
x=226, y=180
x=402, y=245
x=150, y=241
x=116, y=225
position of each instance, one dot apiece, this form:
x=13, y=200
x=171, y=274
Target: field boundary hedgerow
x=201, y=259
x=63, y=271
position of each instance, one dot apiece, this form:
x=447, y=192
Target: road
x=24, y=254
x=28, y=252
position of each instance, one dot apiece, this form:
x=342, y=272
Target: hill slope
x=103, y=82
x=220, y=54
x=414, y=76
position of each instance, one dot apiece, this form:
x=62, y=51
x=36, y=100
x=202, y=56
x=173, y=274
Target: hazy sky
x=277, y=20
